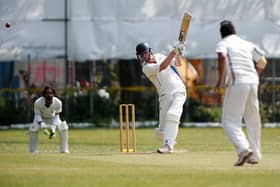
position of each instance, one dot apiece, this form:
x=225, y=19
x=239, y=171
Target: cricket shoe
x=34, y=152
x=243, y=157
x=165, y=149
x=252, y=160
x=65, y=152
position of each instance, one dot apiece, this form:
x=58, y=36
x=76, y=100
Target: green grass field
x=204, y=158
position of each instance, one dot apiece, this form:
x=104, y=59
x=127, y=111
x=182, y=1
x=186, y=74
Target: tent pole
x=66, y=104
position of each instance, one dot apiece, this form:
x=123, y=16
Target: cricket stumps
x=127, y=122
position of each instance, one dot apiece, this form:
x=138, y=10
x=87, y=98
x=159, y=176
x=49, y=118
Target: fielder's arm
x=221, y=69
x=261, y=65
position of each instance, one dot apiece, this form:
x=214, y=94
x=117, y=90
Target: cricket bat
x=184, y=27
x=183, y=33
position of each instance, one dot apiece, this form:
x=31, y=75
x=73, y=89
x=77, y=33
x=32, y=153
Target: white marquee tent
x=111, y=28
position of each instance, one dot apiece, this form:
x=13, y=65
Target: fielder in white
x=161, y=71
x=46, y=116
x=240, y=64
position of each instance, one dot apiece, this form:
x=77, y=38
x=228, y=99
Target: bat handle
x=178, y=60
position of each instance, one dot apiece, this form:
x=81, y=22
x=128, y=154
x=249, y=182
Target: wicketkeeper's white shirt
x=241, y=55
x=167, y=81
x=47, y=112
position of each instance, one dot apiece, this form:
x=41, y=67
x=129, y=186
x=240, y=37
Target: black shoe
x=243, y=157
x=252, y=161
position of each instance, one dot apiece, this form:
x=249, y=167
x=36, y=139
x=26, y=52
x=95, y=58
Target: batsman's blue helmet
x=142, y=47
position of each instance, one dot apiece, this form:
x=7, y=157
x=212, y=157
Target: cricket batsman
x=46, y=116
x=161, y=71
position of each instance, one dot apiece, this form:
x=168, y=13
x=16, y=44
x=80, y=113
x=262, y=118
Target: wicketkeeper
x=46, y=117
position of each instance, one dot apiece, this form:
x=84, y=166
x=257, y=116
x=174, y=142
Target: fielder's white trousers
x=241, y=102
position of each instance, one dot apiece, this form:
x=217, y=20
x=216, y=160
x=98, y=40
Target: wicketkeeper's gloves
x=50, y=133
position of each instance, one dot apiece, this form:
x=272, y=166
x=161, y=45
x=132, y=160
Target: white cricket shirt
x=165, y=81
x=47, y=112
x=241, y=55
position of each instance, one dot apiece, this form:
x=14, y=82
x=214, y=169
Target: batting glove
x=179, y=47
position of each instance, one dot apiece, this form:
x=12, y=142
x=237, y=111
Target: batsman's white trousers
x=171, y=108
x=241, y=101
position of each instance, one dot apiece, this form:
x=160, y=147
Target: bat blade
x=184, y=26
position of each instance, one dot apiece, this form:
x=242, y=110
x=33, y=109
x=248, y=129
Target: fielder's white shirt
x=47, y=112
x=167, y=81
x=241, y=55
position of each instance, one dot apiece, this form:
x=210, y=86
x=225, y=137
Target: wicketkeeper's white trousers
x=241, y=102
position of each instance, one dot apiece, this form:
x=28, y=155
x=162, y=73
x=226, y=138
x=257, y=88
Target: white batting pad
x=34, y=127
x=159, y=134
x=64, y=141
x=33, y=141
x=63, y=126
